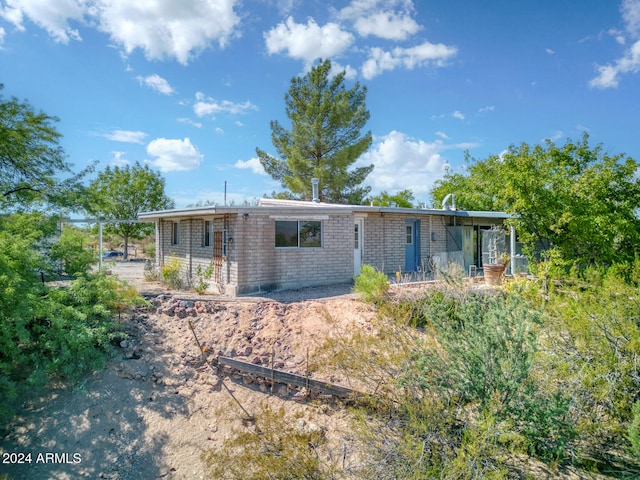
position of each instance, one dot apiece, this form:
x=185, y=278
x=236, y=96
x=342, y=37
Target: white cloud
x=387, y=25
x=126, y=136
x=219, y=131
x=188, y=121
x=459, y=115
x=252, y=164
x=174, y=154
x=630, y=10
x=403, y=162
x=209, y=106
x=420, y=55
x=488, y=108
x=164, y=28
x=51, y=15
x=307, y=42
x=609, y=75
x=557, y=135
x=157, y=83
x=388, y=19
x=118, y=159
x=442, y=135
x=161, y=28
x=549, y=51
x=618, y=35
x=350, y=73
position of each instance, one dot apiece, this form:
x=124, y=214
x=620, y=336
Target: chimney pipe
x=314, y=186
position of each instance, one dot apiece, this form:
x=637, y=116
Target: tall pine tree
x=324, y=141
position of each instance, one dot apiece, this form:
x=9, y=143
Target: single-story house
x=283, y=244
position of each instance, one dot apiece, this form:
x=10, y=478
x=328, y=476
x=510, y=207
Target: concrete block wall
x=265, y=267
x=254, y=246
x=190, y=251
x=384, y=241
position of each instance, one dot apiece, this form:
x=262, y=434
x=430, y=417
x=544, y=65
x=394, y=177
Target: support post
x=512, y=247
x=100, y=245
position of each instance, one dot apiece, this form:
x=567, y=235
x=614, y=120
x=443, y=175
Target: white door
x=357, y=245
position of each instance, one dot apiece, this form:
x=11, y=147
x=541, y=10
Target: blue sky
x=190, y=86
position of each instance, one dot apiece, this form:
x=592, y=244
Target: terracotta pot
x=493, y=274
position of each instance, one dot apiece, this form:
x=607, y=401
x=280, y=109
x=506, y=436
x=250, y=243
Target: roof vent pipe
x=446, y=205
x=314, y=187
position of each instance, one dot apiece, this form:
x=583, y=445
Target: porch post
x=512, y=247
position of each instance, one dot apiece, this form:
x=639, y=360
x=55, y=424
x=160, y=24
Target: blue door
x=411, y=245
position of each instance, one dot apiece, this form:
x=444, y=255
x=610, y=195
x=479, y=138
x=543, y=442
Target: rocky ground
x=157, y=406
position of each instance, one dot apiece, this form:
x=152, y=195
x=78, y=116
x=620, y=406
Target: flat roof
x=296, y=207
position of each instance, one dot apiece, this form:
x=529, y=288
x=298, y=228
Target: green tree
x=574, y=200
x=403, y=198
x=33, y=168
x=121, y=193
x=472, y=192
x=324, y=141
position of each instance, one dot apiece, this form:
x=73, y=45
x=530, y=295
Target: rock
x=133, y=370
x=124, y=344
x=301, y=396
x=256, y=360
x=245, y=350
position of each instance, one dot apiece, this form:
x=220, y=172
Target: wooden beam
x=289, y=378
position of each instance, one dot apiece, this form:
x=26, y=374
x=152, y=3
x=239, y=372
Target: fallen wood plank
x=288, y=378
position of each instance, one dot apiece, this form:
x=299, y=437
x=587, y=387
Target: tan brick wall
x=191, y=252
x=265, y=267
x=384, y=240
x=253, y=263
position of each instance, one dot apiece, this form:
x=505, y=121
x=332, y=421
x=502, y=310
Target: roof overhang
x=291, y=207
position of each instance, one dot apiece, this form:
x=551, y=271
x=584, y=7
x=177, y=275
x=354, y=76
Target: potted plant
x=497, y=258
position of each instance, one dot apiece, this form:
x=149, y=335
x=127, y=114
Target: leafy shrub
x=71, y=251
x=47, y=332
x=633, y=431
x=484, y=356
x=171, y=273
x=371, y=284
x=592, y=346
x=202, y=275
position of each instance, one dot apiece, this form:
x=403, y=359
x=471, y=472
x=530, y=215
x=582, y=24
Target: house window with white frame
x=206, y=236
x=298, y=234
x=175, y=233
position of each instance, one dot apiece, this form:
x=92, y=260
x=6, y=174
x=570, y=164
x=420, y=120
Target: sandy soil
x=156, y=406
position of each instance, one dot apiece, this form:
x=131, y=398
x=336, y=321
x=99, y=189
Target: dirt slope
x=156, y=406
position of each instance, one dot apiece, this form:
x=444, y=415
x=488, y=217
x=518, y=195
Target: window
x=409, y=234
x=206, y=239
x=301, y=234
x=356, y=238
x=175, y=233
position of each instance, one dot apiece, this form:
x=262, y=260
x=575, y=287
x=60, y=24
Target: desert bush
x=486, y=347
x=277, y=446
x=149, y=249
x=170, y=272
x=592, y=347
x=371, y=284
x=200, y=283
x=151, y=271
